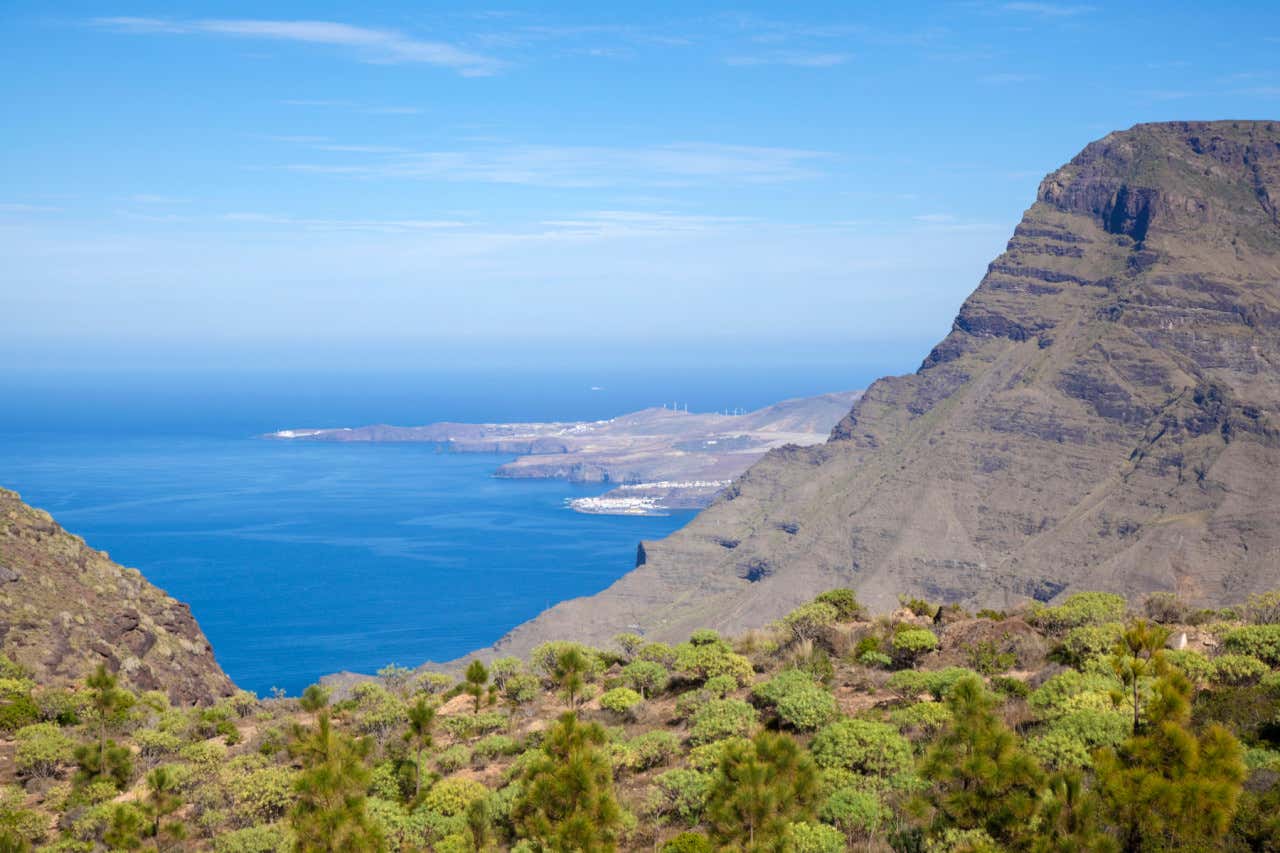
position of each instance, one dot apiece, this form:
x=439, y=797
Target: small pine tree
x=477, y=676
x=1168, y=788
x=570, y=672
x=981, y=778
x=422, y=718
x=1070, y=819
x=329, y=814
x=1139, y=655
x=162, y=801
x=107, y=701
x=760, y=787
x=567, y=800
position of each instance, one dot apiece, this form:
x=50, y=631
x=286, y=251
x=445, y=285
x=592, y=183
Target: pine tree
x=981, y=777
x=1069, y=818
x=1168, y=788
x=1139, y=655
x=422, y=718
x=567, y=800
x=329, y=814
x=162, y=801
x=570, y=671
x=759, y=788
x=107, y=700
x=477, y=674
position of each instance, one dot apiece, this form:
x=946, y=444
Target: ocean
x=302, y=559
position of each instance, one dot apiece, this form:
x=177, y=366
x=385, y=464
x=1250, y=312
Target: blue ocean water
x=302, y=559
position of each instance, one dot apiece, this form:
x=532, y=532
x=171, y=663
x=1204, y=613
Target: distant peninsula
x=660, y=458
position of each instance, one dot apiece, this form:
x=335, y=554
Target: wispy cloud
x=385, y=226
x=798, y=59
x=372, y=45
x=1048, y=10
x=352, y=106
x=591, y=166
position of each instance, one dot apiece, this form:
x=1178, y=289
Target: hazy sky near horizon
x=320, y=182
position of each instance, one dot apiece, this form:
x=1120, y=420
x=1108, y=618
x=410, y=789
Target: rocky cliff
x=65, y=608
x=1104, y=414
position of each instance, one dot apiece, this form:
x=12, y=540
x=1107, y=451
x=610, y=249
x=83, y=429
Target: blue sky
x=313, y=183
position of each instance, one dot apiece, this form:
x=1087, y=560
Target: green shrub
x=41, y=749
x=1083, y=608
x=986, y=658
x=808, y=620
x=1011, y=687
x=1195, y=666
x=845, y=601
x=495, y=746
x=707, y=756
x=1082, y=643
x=658, y=653
x=1264, y=608
x=918, y=606
x=1260, y=641
x=646, y=676
x=451, y=797
x=262, y=795
x=1238, y=670
x=465, y=726
x=720, y=686
x=689, y=842
x=17, y=707
x=543, y=659
x=1166, y=608
x=697, y=662
x=1070, y=739
x=722, y=718
x=910, y=643
x=1051, y=698
x=856, y=813
x=652, y=749
x=923, y=717
x=875, y=660
x=454, y=758
x=808, y=837
x=621, y=700
x=17, y=821
x=910, y=683
x=863, y=747
x=679, y=794
x=799, y=702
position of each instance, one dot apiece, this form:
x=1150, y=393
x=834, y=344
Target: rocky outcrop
x=65, y=608
x=1102, y=415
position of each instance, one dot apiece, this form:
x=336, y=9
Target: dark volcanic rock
x=1104, y=414
x=65, y=608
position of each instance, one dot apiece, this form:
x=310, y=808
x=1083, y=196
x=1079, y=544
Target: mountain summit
x=1104, y=414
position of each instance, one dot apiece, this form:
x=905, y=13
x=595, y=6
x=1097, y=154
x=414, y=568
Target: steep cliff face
x=65, y=608
x=1104, y=414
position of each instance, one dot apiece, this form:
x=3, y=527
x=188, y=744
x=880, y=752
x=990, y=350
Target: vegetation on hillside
x=1078, y=726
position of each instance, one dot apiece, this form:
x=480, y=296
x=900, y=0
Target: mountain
x=65, y=608
x=1102, y=415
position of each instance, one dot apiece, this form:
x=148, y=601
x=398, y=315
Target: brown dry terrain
x=1102, y=415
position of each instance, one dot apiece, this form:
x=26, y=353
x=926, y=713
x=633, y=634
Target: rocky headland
x=660, y=458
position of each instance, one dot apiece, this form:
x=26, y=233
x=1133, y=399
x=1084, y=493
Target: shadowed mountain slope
x=1103, y=415
x=65, y=608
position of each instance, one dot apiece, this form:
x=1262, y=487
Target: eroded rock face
x=1105, y=414
x=65, y=608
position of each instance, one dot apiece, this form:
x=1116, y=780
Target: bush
x=808, y=620
x=1011, y=687
x=1070, y=739
x=1238, y=670
x=863, y=747
x=807, y=837
x=262, y=795
x=1089, y=641
x=646, y=676
x=986, y=658
x=1052, y=697
x=543, y=659
x=1195, y=666
x=707, y=757
x=17, y=708
x=856, y=813
x=1260, y=641
x=918, y=606
x=451, y=797
x=697, y=662
x=1165, y=608
x=454, y=758
x=41, y=750
x=473, y=725
x=924, y=717
x=652, y=749
x=798, y=701
x=1263, y=609
x=1083, y=608
x=17, y=821
x=689, y=842
x=910, y=643
x=875, y=660
x=845, y=601
x=680, y=794
x=621, y=700
x=494, y=746
x=722, y=718
x=910, y=683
